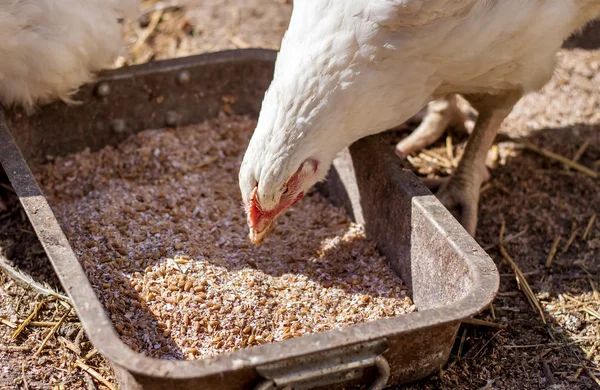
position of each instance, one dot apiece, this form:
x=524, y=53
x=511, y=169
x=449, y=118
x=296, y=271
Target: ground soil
x=537, y=199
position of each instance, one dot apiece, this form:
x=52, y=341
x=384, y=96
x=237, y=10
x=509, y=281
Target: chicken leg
x=460, y=192
x=441, y=113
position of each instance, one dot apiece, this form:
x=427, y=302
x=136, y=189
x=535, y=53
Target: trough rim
x=483, y=274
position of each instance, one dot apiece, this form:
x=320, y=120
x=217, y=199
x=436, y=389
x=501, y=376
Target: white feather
x=49, y=48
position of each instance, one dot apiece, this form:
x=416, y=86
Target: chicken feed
x=157, y=223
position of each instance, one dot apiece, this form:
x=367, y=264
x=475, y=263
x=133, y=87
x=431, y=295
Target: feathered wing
x=399, y=14
x=49, y=48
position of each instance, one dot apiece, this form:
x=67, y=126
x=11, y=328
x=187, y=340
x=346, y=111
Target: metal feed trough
x=450, y=276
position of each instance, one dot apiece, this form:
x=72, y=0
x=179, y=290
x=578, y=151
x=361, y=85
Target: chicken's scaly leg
x=441, y=113
x=460, y=193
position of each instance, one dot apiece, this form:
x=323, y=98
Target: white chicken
x=49, y=48
x=351, y=68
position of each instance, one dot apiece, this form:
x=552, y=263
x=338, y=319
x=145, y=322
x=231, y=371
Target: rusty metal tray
x=450, y=276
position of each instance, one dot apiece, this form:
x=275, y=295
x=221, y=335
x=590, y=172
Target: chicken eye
x=286, y=191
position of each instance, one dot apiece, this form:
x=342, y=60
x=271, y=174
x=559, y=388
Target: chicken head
x=261, y=217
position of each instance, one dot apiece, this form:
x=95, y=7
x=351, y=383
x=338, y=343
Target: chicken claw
x=460, y=198
x=441, y=113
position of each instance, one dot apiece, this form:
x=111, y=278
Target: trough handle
x=319, y=371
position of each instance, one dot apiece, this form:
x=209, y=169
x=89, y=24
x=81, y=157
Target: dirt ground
x=539, y=200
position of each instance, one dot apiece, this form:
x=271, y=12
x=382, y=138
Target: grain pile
x=158, y=225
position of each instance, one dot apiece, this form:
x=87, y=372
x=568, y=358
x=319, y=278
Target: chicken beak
x=257, y=237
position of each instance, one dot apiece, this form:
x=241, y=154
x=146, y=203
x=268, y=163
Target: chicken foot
x=441, y=113
x=460, y=192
